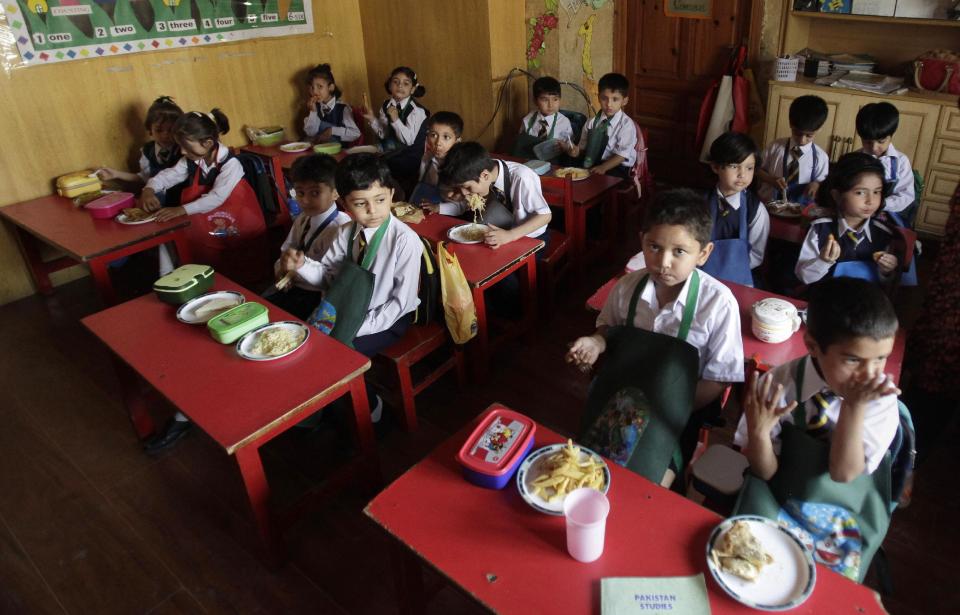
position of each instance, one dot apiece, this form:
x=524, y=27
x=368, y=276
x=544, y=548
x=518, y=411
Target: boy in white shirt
x=444, y=129
x=876, y=125
x=311, y=233
x=546, y=122
x=794, y=166
x=609, y=140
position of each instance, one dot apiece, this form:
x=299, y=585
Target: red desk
x=771, y=354
x=241, y=404
x=55, y=221
x=469, y=533
x=483, y=267
x=793, y=230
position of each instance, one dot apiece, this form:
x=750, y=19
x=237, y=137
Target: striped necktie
x=363, y=247
x=793, y=168
x=543, y=129
x=819, y=424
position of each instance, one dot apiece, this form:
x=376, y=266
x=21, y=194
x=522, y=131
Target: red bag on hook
x=736, y=96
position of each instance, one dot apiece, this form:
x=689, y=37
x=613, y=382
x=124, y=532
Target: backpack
x=428, y=290
x=260, y=177
x=640, y=173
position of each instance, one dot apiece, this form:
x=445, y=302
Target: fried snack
x=215, y=306
x=408, y=212
x=878, y=255
x=135, y=214
x=476, y=203
x=276, y=341
x=566, y=471
x=740, y=553
x=573, y=172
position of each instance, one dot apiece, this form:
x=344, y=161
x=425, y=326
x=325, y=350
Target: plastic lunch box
x=539, y=166
x=331, y=148
x=109, y=205
x=230, y=326
x=495, y=449
x=184, y=283
x=77, y=183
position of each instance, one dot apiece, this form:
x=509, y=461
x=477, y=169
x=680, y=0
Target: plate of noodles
x=467, y=233
x=273, y=341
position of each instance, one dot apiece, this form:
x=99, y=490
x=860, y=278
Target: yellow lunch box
x=77, y=183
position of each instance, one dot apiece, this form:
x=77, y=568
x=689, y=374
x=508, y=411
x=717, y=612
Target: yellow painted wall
x=64, y=117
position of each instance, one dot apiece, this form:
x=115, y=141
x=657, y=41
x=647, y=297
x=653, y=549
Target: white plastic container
x=774, y=320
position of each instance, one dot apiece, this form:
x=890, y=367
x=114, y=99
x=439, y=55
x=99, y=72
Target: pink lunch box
x=109, y=205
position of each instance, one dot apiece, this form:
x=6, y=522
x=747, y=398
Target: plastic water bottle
x=292, y=204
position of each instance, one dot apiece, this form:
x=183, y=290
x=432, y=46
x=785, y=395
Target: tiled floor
x=89, y=524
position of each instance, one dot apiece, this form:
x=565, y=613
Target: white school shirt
x=810, y=267
x=758, y=229
x=430, y=175
x=347, y=133
x=903, y=194
x=714, y=332
x=807, y=172
x=396, y=269
x=881, y=418
x=231, y=174
x=406, y=133
x=621, y=139
x=299, y=232
x=563, y=130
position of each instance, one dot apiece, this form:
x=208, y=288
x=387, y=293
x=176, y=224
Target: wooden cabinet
x=929, y=134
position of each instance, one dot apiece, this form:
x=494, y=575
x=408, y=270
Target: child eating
x=328, y=119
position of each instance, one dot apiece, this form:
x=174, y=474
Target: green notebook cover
x=645, y=595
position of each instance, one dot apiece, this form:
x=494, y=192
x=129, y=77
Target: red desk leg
x=258, y=492
x=579, y=240
x=481, y=343
x=132, y=394
x=101, y=277
x=528, y=290
x=363, y=428
x=183, y=246
x=31, y=254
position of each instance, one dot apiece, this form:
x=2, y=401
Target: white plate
x=245, y=344
x=363, y=149
x=575, y=177
x=122, y=219
x=531, y=468
x=187, y=313
x=782, y=585
x=455, y=233
x=295, y=147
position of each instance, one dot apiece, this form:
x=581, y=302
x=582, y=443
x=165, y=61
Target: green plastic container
x=232, y=324
x=184, y=283
x=331, y=148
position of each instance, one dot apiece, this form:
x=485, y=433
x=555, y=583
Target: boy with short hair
x=444, y=129
x=826, y=418
x=514, y=204
x=741, y=224
x=676, y=240
x=546, y=122
x=876, y=125
x=795, y=165
x=311, y=233
x=609, y=140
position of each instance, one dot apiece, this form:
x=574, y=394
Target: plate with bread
x=200, y=309
x=135, y=215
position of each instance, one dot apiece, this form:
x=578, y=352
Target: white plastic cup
x=586, y=512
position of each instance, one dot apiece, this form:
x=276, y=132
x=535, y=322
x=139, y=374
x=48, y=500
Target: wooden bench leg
x=409, y=417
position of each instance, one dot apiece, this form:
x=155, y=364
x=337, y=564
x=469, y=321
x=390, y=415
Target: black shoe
x=171, y=434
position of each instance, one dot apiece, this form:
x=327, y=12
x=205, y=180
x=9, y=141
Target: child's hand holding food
x=291, y=260
x=585, y=351
x=830, y=251
x=886, y=262
x=149, y=201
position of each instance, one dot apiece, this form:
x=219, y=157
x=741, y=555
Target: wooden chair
x=417, y=343
x=558, y=192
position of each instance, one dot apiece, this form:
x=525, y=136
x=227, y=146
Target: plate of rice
x=273, y=341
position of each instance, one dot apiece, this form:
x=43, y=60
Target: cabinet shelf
x=904, y=21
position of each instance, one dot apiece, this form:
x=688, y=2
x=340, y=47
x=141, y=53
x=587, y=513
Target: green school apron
x=856, y=512
x=345, y=303
x=596, y=141
x=642, y=397
x=523, y=146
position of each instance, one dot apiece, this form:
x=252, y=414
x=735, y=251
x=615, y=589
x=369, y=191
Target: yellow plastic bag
x=458, y=308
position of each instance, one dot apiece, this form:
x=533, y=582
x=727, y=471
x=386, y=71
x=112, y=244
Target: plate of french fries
x=548, y=474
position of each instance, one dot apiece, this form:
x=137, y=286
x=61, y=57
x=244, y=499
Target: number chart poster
x=48, y=31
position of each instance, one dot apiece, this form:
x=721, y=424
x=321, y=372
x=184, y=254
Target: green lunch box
x=184, y=283
x=232, y=324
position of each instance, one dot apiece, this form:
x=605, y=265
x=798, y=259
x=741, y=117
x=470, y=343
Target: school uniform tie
x=303, y=236
x=499, y=195
x=849, y=243
x=723, y=207
x=363, y=247
x=819, y=423
x=793, y=168
x=543, y=129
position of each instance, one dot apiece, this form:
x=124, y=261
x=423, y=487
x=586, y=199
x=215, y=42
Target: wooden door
x=671, y=62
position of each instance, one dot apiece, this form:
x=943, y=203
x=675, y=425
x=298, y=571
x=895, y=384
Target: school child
x=609, y=140
x=400, y=125
x=371, y=271
x=546, y=122
x=156, y=155
x=444, y=129
x=876, y=125
x=794, y=167
x=816, y=430
x=225, y=216
x=328, y=119
x=741, y=224
x=311, y=233
x=514, y=205
x=856, y=242
x=669, y=316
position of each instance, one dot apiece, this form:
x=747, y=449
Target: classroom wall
x=68, y=116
